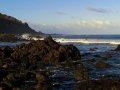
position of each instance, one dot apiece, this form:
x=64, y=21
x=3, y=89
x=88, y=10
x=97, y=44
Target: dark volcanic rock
x=118, y=48
x=47, y=51
x=98, y=85
x=80, y=72
x=7, y=51
x=101, y=64
x=20, y=65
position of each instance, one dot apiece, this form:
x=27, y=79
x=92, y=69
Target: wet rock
x=51, y=42
x=101, y=64
x=97, y=56
x=43, y=82
x=5, y=66
x=10, y=77
x=3, y=74
x=1, y=54
x=103, y=58
x=93, y=49
x=80, y=72
x=7, y=51
x=108, y=56
x=47, y=51
x=98, y=85
x=118, y=48
x=4, y=86
x=18, y=65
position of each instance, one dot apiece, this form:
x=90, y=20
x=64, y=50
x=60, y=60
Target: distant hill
x=11, y=25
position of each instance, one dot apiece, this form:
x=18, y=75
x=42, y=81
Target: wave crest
x=88, y=41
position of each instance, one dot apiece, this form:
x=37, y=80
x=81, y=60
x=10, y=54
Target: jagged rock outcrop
x=48, y=51
x=21, y=63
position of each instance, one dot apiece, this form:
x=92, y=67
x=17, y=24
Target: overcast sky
x=67, y=16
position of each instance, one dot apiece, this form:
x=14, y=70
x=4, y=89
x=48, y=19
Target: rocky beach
x=59, y=45
x=48, y=65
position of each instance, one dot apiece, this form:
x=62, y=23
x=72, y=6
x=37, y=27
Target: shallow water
x=101, y=50
x=89, y=58
x=12, y=44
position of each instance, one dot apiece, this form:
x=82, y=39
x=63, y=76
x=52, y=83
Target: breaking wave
x=88, y=41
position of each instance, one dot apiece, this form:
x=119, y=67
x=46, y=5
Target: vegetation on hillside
x=11, y=25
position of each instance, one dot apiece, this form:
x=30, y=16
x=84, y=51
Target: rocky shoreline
x=39, y=65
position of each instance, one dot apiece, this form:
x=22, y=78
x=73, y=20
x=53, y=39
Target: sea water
x=96, y=45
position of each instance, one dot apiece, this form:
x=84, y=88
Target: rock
x=1, y=54
x=108, y=56
x=79, y=75
x=7, y=51
x=101, y=64
x=3, y=74
x=10, y=77
x=5, y=66
x=19, y=64
x=103, y=58
x=98, y=85
x=80, y=72
x=47, y=51
x=30, y=75
x=118, y=48
x=43, y=82
x=98, y=56
x=93, y=49
x=40, y=77
x=4, y=86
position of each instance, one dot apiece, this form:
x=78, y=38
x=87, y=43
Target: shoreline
x=69, y=71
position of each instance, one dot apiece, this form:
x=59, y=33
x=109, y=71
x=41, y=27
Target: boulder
x=80, y=72
x=101, y=64
x=4, y=86
x=43, y=82
x=98, y=85
x=118, y=48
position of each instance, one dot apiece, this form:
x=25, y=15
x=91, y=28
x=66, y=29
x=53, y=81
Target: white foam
x=88, y=41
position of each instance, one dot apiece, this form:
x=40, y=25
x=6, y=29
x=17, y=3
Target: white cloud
x=93, y=23
x=98, y=10
x=80, y=27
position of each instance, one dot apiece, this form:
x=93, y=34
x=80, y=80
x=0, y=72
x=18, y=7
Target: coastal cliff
x=11, y=25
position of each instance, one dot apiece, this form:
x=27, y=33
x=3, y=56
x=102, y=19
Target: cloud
x=93, y=26
x=61, y=13
x=98, y=10
x=75, y=17
x=93, y=23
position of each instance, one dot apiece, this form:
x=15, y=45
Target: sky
x=78, y=17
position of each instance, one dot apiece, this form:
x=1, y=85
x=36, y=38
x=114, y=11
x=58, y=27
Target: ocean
x=96, y=45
